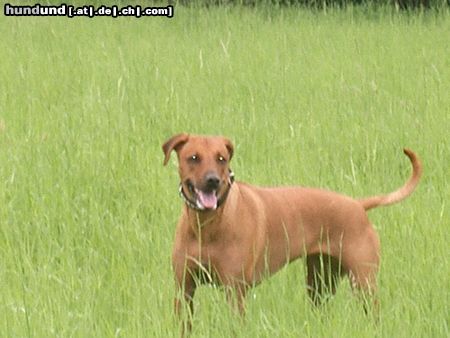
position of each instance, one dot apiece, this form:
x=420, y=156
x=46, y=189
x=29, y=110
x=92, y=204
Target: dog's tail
x=403, y=192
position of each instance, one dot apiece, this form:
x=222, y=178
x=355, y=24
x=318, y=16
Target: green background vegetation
x=327, y=98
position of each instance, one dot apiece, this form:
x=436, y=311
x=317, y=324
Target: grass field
x=88, y=212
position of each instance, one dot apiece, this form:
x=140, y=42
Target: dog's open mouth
x=206, y=200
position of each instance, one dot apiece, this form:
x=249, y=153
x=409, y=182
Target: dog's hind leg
x=323, y=274
x=362, y=263
x=363, y=282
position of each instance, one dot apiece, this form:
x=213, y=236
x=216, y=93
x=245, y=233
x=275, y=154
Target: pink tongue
x=208, y=200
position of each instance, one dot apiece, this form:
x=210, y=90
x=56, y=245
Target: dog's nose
x=212, y=181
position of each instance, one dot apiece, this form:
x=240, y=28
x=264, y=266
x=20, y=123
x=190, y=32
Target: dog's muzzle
x=206, y=199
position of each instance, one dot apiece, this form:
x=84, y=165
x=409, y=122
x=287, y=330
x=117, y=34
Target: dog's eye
x=221, y=159
x=194, y=158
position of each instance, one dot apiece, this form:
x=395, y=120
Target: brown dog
x=234, y=234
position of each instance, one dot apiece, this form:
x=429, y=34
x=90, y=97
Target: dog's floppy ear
x=173, y=144
x=229, y=146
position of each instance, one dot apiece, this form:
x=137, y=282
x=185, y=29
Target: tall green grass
x=87, y=212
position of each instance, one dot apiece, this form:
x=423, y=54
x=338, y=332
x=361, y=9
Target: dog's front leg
x=236, y=296
x=184, y=299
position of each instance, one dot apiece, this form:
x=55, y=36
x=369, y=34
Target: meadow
x=313, y=98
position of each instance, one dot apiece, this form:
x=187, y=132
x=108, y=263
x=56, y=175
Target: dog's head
x=203, y=167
